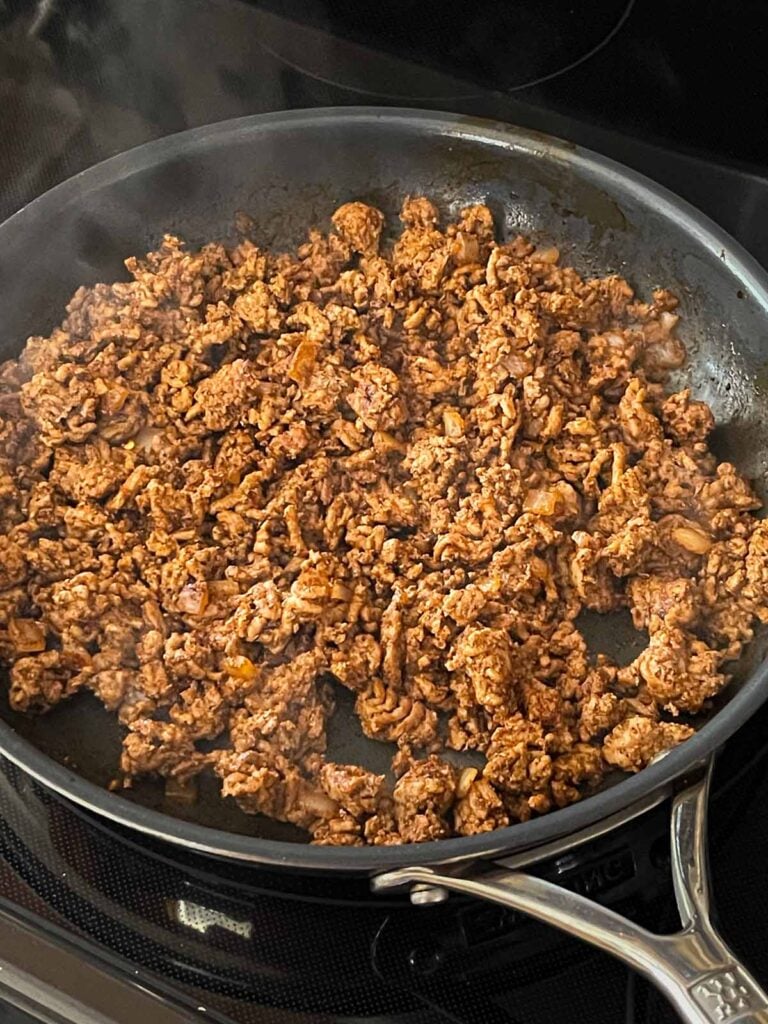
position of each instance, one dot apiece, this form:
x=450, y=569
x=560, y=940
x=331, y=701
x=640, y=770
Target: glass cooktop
x=100, y=925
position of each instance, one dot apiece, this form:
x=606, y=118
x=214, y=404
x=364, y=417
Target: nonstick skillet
x=291, y=170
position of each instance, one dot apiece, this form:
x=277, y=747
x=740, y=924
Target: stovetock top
x=253, y=945
x=130, y=926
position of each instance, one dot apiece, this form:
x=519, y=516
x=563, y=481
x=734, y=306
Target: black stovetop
x=239, y=943
x=96, y=921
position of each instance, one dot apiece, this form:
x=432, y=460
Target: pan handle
x=699, y=974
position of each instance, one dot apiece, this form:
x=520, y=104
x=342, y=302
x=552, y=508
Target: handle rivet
x=423, y=895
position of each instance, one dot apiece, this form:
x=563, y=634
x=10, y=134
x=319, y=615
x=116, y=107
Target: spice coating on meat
x=422, y=798
x=637, y=740
x=243, y=480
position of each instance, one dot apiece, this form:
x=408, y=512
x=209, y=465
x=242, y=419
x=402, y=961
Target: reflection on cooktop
x=496, y=46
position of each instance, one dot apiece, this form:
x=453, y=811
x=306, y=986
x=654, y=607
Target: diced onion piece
x=303, y=362
x=466, y=779
x=317, y=803
x=386, y=442
x=146, y=437
x=465, y=249
x=692, y=539
x=193, y=599
x=240, y=667
x=542, y=501
x=453, y=423
x=551, y=255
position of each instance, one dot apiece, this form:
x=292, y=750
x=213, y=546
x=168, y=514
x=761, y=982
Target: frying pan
x=291, y=170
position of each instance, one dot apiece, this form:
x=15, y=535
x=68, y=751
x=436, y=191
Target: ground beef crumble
x=243, y=480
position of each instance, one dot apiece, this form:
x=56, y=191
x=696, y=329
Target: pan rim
x=525, y=835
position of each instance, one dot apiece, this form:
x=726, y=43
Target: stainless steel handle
x=698, y=973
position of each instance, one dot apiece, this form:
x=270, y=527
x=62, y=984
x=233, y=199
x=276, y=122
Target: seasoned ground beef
x=243, y=480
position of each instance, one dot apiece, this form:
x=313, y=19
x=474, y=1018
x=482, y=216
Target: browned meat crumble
x=243, y=479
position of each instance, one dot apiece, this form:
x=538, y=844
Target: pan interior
x=292, y=173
